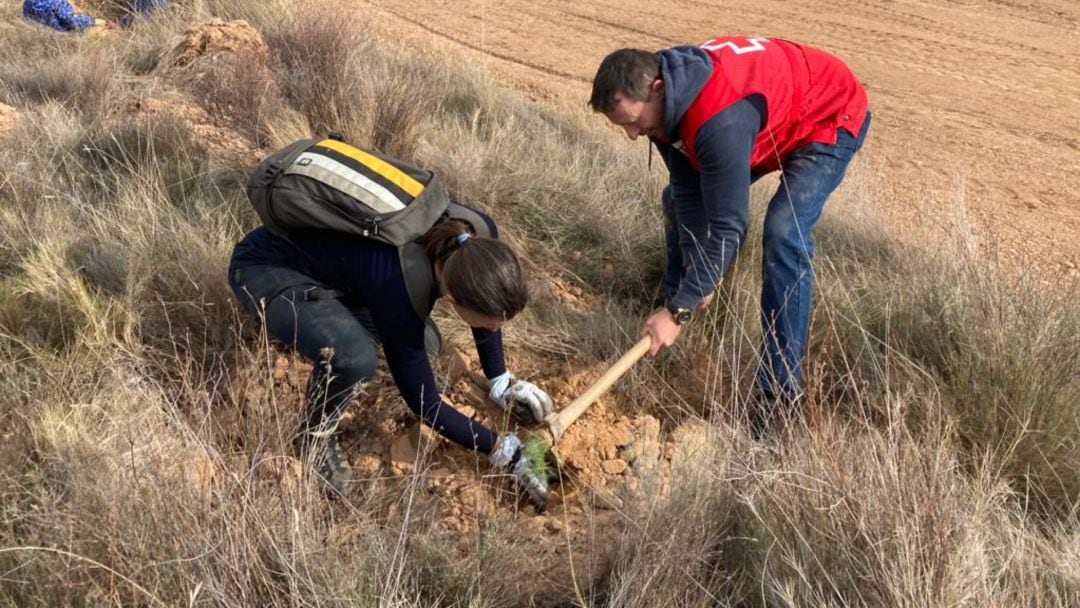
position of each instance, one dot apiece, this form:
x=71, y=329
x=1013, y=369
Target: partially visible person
x=722, y=115
x=142, y=8
x=336, y=296
x=58, y=15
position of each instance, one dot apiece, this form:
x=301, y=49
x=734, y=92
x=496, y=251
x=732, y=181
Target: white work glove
x=524, y=400
x=508, y=456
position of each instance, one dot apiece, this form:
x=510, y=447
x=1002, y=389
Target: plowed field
x=976, y=102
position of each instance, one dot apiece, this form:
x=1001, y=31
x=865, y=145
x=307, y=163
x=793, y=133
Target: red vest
x=808, y=94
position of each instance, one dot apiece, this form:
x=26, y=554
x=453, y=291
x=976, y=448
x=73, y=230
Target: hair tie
x=461, y=238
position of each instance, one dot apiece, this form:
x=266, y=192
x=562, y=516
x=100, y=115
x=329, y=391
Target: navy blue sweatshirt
x=711, y=205
x=371, y=274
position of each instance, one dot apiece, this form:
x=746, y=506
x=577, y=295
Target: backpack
x=329, y=184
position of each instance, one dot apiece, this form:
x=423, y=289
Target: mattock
x=556, y=422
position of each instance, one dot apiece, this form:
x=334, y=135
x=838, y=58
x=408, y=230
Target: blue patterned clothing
x=57, y=14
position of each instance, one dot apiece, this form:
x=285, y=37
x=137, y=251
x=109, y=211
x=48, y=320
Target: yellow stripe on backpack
x=391, y=173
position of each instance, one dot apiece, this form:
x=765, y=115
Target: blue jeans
x=809, y=176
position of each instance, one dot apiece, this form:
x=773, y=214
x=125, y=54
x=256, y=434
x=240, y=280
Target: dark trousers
x=339, y=340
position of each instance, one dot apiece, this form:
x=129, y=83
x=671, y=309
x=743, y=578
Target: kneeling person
x=335, y=295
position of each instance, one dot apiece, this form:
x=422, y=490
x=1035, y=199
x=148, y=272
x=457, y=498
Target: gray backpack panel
x=331, y=185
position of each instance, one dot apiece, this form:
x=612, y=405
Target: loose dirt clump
x=216, y=36
x=569, y=295
x=225, y=67
x=8, y=118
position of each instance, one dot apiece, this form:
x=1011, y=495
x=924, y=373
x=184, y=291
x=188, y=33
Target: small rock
x=614, y=466
x=621, y=435
x=466, y=410
x=366, y=466
x=8, y=117
x=554, y=525
x=403, y=453
x=281, y=368
x=416, y=443
x=456, y=365
x=610, y=451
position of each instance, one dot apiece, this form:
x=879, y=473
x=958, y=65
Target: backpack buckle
x=373, y=229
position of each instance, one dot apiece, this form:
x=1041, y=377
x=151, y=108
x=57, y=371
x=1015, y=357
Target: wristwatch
x=681, y=315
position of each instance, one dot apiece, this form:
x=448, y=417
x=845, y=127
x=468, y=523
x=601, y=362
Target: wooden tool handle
x=558, y=421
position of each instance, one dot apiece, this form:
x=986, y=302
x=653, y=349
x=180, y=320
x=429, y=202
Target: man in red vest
x=722, y=115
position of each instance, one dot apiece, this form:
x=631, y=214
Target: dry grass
x=78, y=76
x=239, y=87
x=142, y=442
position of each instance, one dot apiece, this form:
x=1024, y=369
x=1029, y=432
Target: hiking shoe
x=329, y=461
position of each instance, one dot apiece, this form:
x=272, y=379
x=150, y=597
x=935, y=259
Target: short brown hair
x=626, y=71
x=483, y=274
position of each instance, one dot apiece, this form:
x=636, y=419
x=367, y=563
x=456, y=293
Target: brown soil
x=602, y=454
x=213, y=131
x=218, y=36
x=975, y=102
x=195, y=56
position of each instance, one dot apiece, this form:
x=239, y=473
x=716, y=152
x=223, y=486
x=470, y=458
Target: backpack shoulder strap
x=419, y=277
x=416, y=268
x=474, y=219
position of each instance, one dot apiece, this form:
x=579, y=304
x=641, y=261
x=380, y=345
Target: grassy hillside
x=143, y=441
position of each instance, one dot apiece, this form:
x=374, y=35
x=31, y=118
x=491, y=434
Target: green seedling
x=537, y=449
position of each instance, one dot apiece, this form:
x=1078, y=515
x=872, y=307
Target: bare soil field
x=975, y=102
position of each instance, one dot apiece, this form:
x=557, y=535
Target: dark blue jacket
x=143, y=8
x=371, y=274
x=711, y=206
